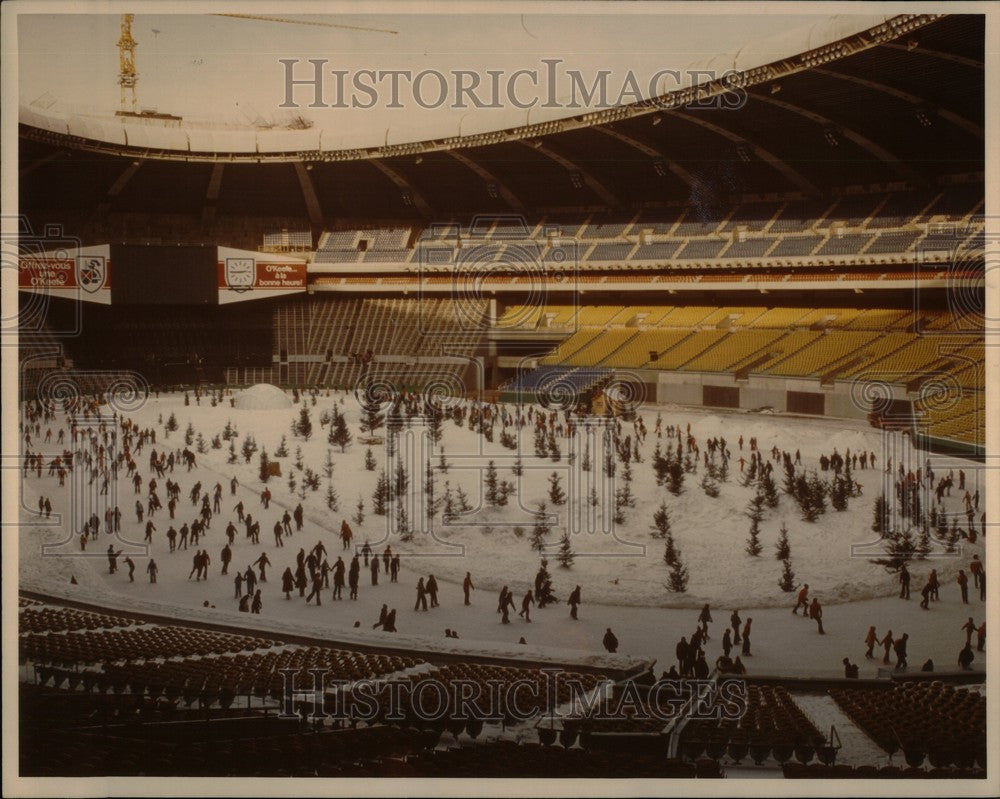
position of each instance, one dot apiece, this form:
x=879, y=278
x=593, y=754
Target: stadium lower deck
x=121, y=695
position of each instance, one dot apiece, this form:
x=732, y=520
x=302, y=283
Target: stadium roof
x=901, y=102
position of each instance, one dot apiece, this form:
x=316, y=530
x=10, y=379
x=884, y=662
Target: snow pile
x=263, y=397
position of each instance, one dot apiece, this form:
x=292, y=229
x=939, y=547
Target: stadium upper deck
x=896, y=107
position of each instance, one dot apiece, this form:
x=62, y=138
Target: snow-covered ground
x=622, y=575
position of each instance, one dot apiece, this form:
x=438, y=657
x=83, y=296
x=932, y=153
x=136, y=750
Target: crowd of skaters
x=104, y=449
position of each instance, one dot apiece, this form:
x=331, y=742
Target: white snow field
x=623, y=576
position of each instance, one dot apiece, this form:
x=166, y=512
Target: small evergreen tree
x=709, y=486
x=556, y=493
x=370, y=460
x=264, y=471
x=403, y=523
x=189, y=434
x=359, y=511
x=787, y=581
x=661, y=522
x=332, y=500
x=880, y=520
x=282, y=450
x=565, y=555
x=677, y=581
x=402, y=480
x=232, y=451
x=541, y=528
x=201, y=446
x=328, y=465
x=339, y=434
x=298, y=458
x=782, y=550
x=305, y=425
x=491, y=482
x=381, y=495
x=371, y=418
x=770, y=490
x=755, y=514
x=463, y=500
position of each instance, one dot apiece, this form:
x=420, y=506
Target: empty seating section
x=944, y=724
x=688, y=348
x=793, y=246
x=779, y=317
x=817, y=358
x=689, y=316
x=636, y=351
x=701, y=248
x=749, y=248
x=598, y=229
x=848, y=244
x=656, y=251
x=878, y=319
x=895, y=242
x=894, y=355
x=773, y=726
x=736, y=348
x=609, y=252
x=599, y=348
x=58, y=620
x=568, y=348
x=146, y=641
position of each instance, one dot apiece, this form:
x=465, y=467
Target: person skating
x=432, y=590
x=244, y=605
x=353, y=577
x=338, y=578
x=298, y=514
x=963, y=586
x=250, y=579
x=574, y=602
x=258, y=602
x=904, y=582
x=970, y=628
x=238, y=582
x=705, y=618
x=113, y=559
x=610, y=641
x=925, y=594
x=394, y=569
x=850, y=669
x=262, y=563
x=975, y=568
x=526, y=603
x=152, y=569
x=738, y=667
x=932, y=581
x=375, y=570
x=701, y=669
x=346, y=534
x=366, y=552
x=870, y=640
x=301, y=581
x=131, y=569
x=382, y=616
x=900, y=647
x=226, y=557
x=887, y=643
x=317, y=589
x=803, y=600
x=278, y=533
x=727, y=642
x=389, y=625
x=966, y=656
x=735, y=621
x=421, y=603
x=467, y=586
x=746, y=636
x=288, y=582
x=981, y=637
x=816, y=613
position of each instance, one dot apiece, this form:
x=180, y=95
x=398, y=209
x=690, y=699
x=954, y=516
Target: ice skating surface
x=622, y=576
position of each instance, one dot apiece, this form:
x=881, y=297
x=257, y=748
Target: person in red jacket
x=803, y=599
x=816, y=613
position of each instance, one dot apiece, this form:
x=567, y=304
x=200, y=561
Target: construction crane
x=127, y=76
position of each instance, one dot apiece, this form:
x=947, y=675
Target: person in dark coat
x=969, y=627
x=131, y=569
x=904, y=582
x=382, y=616
x=727, y=642
x=257, y=604
x=338, y=579
x=966, y=656
x=610, y=641
x=870, y=640
x=288, y=582
x=701, y=667
x=574, y=602
x=421, y=603
x=317, y=589
x=250, y=579
x=738, y=667
x=816, y=613
x=467, y=586
x=375, y=570
x=526, y=603
x=432, y=590
x=245, y=603
x=850, y=669
x=389, y=625
x=353, y=577
x=152, y=569
x=394, y=569
x=746, y=636
x=683, y=652
x=226, y=557
x=300, y=580
x=506, y=604
x=735, y=621
x=900, y=647
x=963, y=585
x=925, y=594
x=238, y=581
